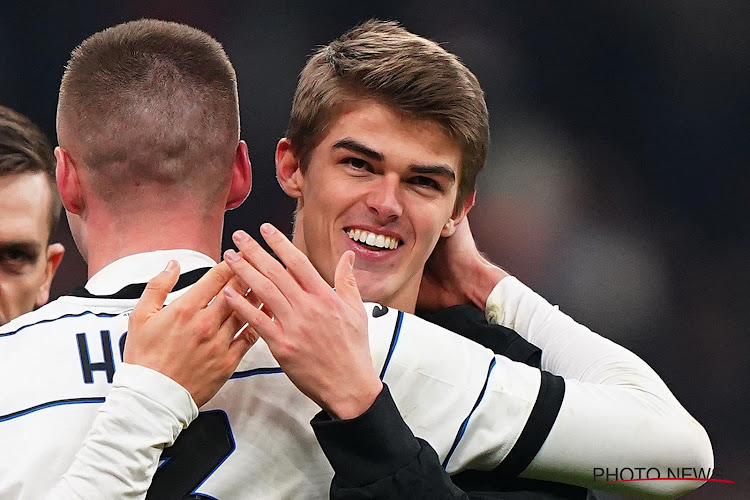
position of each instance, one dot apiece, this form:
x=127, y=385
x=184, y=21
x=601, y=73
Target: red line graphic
x=673, y=479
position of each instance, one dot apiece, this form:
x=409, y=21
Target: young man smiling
x=386, y=136
x=379, y=183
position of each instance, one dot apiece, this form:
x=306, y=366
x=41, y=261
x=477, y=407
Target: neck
x=112, y=238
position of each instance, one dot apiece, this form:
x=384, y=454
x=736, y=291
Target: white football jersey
x=254, y=439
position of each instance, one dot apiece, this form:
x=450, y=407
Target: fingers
x=207, y=287
x=239, y=346
x=219, y=310
x=264, y=289
x=232, y=324
x=259, y=321
x=265, y=263
x=293, y=258
x=156, y=291
x=346, y=283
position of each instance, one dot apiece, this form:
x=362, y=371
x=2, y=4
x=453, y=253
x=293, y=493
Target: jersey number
x=196, y=453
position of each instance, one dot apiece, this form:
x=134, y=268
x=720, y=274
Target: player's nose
x=385, y=199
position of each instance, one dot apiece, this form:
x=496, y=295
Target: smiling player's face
x=380, y=184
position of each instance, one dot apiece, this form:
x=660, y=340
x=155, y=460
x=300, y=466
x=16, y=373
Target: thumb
x=156, y=291
x=345, y=282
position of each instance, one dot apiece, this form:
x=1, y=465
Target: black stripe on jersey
x=537, y=428
x=504, y=477
x=394, y=341
x=135, y=290
x=43, y=406
x=76, y=315
x=462, y=429
x=257, y=371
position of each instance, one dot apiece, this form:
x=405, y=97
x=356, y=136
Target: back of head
x=150, y=104
x=415, y=76
x=25, y=150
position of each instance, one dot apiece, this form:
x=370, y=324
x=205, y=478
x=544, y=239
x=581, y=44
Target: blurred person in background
x=29, y=211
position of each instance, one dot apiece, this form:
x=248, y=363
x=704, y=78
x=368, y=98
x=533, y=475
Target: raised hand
x=194, y=339
x=456, y=273
x=317, y=334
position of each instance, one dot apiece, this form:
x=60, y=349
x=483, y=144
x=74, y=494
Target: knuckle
x=286, y=349
x=179, y=312
x=156, y=283
x=203, y=327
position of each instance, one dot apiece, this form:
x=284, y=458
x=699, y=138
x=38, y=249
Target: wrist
x=354, y=403
x=485, y=277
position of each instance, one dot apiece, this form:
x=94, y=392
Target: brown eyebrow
x=440, y=170
x=358, y=147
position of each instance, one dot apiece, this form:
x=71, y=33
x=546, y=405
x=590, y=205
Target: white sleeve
x=616, y=412
x=144, y=412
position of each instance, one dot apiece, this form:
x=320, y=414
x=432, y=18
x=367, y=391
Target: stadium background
x=614, y=185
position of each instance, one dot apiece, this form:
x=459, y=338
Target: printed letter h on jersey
x=88, y=368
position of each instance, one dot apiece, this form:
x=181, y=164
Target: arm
x=375, y=455
x=452, y=393
x=612, y=397
x=629, y=410
x=144, y=412
x=175, y=360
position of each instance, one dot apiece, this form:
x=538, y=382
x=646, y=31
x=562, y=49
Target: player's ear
x=458, y=215
x=68, y=182
x=242, y=177
x=288, y=169
x=55, y=254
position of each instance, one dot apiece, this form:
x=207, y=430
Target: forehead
x=24, y=207
x=385, y=130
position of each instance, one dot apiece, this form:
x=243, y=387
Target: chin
x=372, y=293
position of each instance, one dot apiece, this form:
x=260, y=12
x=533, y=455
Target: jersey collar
x=126, y=278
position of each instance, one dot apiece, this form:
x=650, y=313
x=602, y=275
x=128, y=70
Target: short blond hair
x=381, y=60
x=151, y=101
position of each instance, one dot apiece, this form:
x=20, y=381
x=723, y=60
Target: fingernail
x=230, y=292
x=267, y=229
x=231, y=255
x=170, y=265
x=240, y=236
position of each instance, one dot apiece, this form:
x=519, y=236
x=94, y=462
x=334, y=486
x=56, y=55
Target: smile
x=373, y=239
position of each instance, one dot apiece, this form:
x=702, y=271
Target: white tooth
x=370, y=239
x=350, y=233
x=363, y=236
x=355, y=234
x=394, y=243
x=380, y=241
x=387, y=242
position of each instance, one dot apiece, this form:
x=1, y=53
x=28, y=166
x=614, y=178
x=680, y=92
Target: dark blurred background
x=614, y=185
